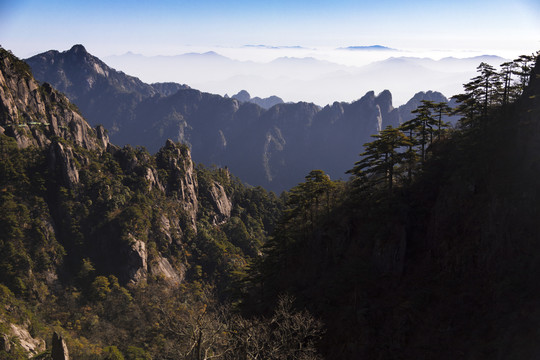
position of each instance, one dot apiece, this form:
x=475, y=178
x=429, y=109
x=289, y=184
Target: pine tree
x=440, y=109
x=422, y=127
x=507, y=70
x=381, y=158
x=522, y=68
x=480, y=94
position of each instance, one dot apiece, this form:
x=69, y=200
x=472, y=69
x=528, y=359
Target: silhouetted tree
x=381, y=157
x=422, y=127
x=440, y=109
x=479, y=95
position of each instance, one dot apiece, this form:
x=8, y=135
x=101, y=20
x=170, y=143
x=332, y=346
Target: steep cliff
x=33, y=114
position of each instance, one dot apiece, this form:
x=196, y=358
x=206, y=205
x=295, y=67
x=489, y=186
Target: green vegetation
x=85, y=231
x=428, y=251
x=22, y=68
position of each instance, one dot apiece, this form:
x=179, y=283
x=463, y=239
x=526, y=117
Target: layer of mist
x=304, y=74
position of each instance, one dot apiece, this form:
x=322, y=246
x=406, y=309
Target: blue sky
x=110, y=27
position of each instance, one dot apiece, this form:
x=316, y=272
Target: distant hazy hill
x=302, y=77
x=368, y=48
x=274, y=148
x=266, y=103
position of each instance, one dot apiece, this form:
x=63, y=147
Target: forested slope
x=119, y=252
x=432, y=249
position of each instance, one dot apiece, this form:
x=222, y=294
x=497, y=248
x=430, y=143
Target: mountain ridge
x=273, y=148
x=106, y=237
x=297, y=83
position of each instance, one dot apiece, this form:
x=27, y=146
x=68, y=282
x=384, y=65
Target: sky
x=166, y=27
x=426, y=28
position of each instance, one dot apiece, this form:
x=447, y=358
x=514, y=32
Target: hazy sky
x=165, y=27
x=416, y=28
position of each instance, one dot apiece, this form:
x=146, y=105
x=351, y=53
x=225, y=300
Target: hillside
x=114, y=250
x=441, y=263
x=429, y=251
x=273, y=148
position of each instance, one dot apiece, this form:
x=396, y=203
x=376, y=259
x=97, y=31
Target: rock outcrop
x=33, y=113
x=222, y=204
x=182, y=180
x=62, y=161
x=162, y=268
x=136, y=268
x=5, y=344
x=59, y=349
x=32, y=346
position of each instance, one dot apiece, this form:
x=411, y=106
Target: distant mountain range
x=262, y=46
x=266, y=103
x=306, y=78
x=368, y=48
x=274, y=147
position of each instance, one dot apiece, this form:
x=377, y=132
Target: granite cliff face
x=83, y=166
x=273, y=145
x=33, y=114
x=182, y=180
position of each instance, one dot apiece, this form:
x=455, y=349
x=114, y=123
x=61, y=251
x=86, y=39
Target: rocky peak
x=368, y=97
x=76, y=72
x=175, y=159
x=242, y=96
x=405, y=111
x=384, y=100
x=266, y=103
x=78, y=49
x=34, y=113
